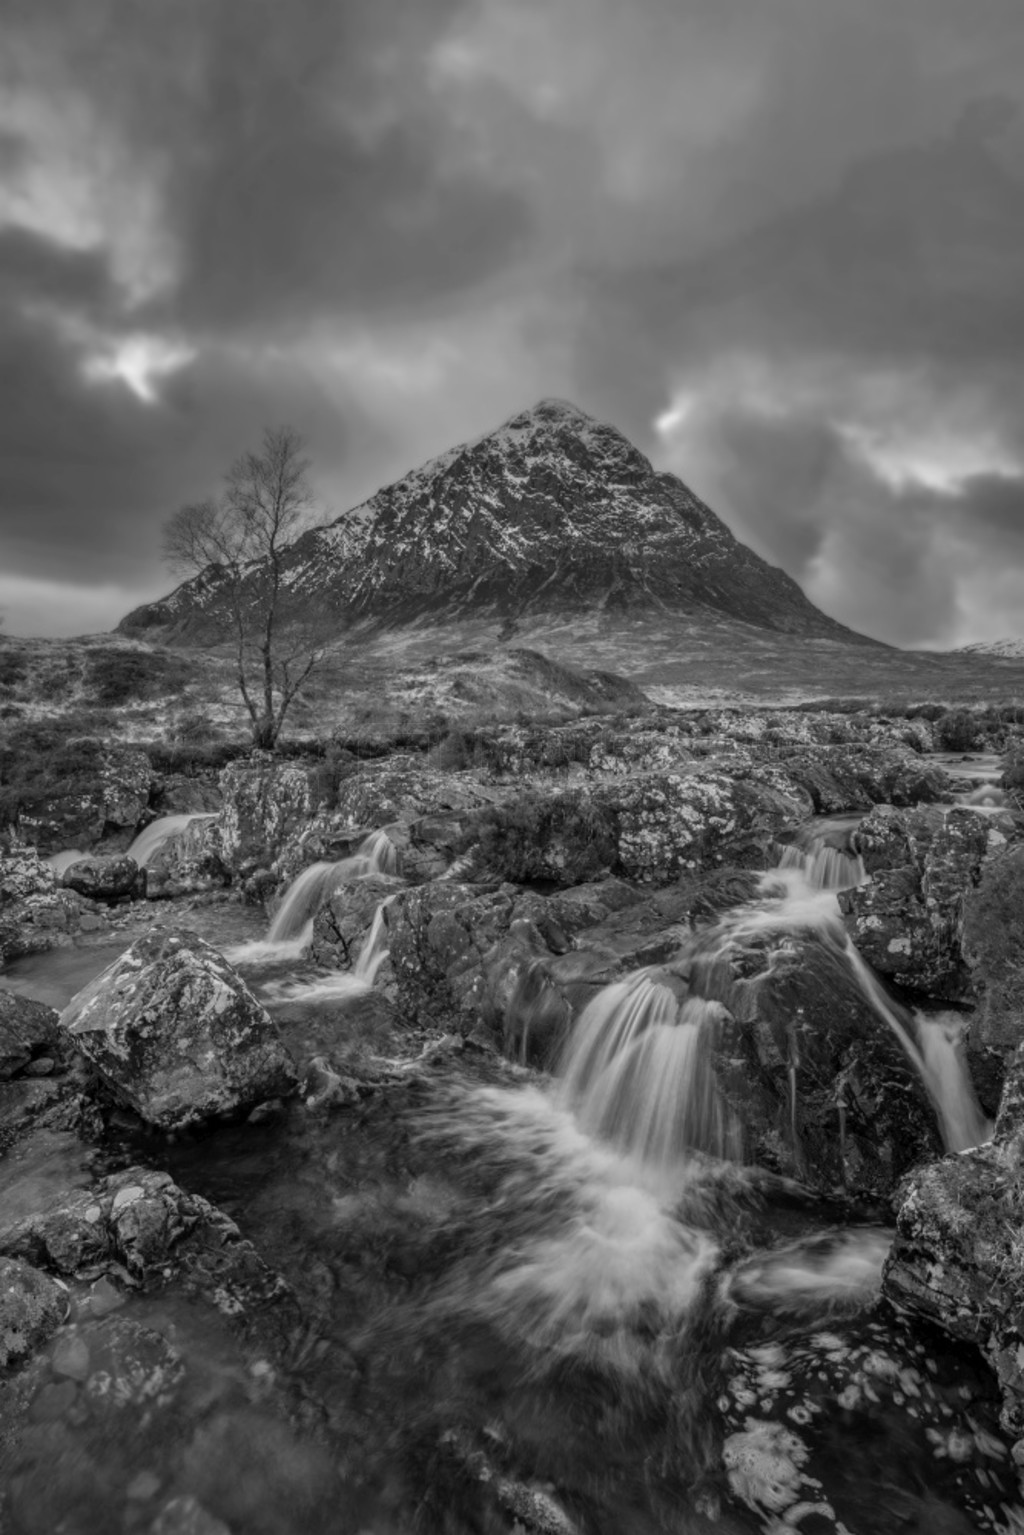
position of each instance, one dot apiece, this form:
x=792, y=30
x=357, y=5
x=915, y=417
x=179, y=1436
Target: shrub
x=13, y=668
x=123, y=676
x=957, y=731
x=565, y=839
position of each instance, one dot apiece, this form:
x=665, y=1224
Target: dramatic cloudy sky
x=779, y=242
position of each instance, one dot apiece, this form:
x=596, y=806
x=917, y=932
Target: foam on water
x=332, y=986
x=267, y=951
x=605, y=1266
x=840, y=1270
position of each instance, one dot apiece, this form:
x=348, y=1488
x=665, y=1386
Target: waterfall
x=375, y=947
x=821, y=852
x=60, y=861
x=638, y=1073
x=152, y=838
x=942, y=1071
x=315, y=886
x=963, y=1123
x=638, y=1070
x=337, y=985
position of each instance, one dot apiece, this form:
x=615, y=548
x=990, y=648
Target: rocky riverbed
x=605, y=1127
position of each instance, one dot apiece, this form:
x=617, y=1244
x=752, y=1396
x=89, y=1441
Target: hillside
x=553, y=514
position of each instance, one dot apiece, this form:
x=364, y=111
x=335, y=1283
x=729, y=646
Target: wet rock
x=455, y=953
x=993, y=945
x=189, y=862
x=138, y=1227
x=820, y=1082
x=957, y=1259
x=340, y=927
x=105, y=879
x=29, y=1032
x=32, y=1307
x=908, y=920
x=176, y=1034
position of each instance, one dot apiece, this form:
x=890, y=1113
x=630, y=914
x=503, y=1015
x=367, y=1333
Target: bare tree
x=237, y=541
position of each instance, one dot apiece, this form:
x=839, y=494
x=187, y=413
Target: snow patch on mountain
x=1011, y=647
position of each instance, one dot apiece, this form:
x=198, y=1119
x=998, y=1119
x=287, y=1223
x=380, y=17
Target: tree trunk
x=264, y=733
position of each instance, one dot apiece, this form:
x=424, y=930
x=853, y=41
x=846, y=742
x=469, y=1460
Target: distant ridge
x=1011, y=648
x=552, y=513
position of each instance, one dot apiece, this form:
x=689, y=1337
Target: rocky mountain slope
x=552, y=513
x=1010, y=648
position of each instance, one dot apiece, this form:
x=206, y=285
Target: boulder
x=106, y=800
x=957, y=1260
x=23, y=873
x=175, y=1033
x=672, y=824
x=39, y=921
x=265, y=802
x=190, y=861
x=993, y=946
x=808, y=1063
x=908, y=919
x=397, y=790
x=341, y=925
x=29, y=1031
x=180, y=794
x=565, y=838
x=32, y=1307
x=456, y=953
x=107, y=879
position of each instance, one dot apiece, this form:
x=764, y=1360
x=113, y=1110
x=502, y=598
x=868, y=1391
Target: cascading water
x=637, y=1067
x=60, y=861
x=315, y=885
x=340, y=985
x=375, y=947
x=637, y=1071
x=153, y=837
x=822, y=853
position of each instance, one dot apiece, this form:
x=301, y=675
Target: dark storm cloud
x=303, y=164
x=36, y=270
x=392, y=223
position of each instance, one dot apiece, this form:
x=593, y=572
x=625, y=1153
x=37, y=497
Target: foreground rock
x=104, y=800
x=958, y=1260
x=993, y=941
x=30, y=1036
x=99, y=1426
x=31, y=1308
x=815, y=1075
x=176, y=1033
x=35, y=913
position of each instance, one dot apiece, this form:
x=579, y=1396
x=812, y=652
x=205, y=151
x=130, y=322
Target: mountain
x=1009, y=648
x=553, y=513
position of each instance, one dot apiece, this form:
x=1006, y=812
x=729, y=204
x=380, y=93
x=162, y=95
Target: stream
x=529, y=1303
